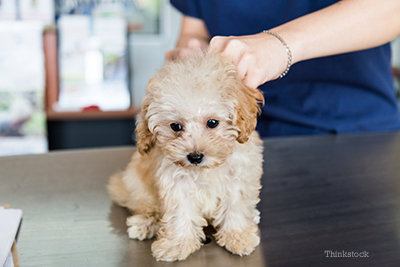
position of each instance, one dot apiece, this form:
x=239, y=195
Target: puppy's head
x=195, y=109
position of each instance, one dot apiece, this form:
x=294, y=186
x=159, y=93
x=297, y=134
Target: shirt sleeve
x=187, y=7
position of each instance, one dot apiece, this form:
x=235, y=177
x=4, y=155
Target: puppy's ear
x=145, y=139
x=250, y=101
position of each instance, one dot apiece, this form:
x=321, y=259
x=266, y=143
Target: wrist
x=294, y=40
x=288, y=52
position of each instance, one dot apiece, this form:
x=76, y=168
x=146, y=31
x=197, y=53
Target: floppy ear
x=145, y=139
x=248, y=108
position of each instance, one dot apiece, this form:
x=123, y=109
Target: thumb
x=194, y=43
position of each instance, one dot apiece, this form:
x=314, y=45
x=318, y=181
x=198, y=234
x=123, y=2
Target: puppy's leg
x=117, y=189
x=181, y=224
x=144, y=223
x=236, y=218
x=142, y=226
x=129, y=189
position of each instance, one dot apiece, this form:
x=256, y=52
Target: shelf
x=52, y=88
x=92, y=115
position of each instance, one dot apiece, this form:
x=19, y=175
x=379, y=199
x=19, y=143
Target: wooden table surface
x=321, y=195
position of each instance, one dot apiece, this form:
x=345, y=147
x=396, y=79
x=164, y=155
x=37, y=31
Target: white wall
x=147, y=51
x=396, y=52
x=396, y=62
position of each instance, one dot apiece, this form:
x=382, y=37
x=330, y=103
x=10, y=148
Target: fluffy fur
x=169, y=196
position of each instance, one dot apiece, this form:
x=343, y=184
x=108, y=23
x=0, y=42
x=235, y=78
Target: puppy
x=198, y=160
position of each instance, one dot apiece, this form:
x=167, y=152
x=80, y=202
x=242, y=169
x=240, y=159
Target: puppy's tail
x=117, y=190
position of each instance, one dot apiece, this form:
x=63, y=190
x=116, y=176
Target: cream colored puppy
x=199, y=160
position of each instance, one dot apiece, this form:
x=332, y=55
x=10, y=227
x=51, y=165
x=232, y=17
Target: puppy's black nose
x=195, y=158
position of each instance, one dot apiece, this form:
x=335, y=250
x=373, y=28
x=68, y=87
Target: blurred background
x=73, y=72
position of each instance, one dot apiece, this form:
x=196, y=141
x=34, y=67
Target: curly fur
x=170, y=197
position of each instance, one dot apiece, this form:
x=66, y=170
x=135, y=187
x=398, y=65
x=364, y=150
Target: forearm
x=194, y=36
x=192, y=28
x=349, y=25
x=184, y=39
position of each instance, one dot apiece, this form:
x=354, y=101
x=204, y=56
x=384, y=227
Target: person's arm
x=348, y=25
x=194, y=35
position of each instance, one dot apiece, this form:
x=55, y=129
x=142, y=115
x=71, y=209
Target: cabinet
x=91, y=128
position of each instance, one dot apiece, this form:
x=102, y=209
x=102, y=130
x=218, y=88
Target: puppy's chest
x=208, y=197
x=210, y=190
x=204, y=189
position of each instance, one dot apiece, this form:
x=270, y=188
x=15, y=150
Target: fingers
x=242, y=67
x=242, y=56
x=180, y=53
x=170, y=55
x=231, y=47
x=193, y=46
x=258, y=58
x=197, y=45
x=253, y=79
x=245, y=66
x=217, y=44
x=194, y=43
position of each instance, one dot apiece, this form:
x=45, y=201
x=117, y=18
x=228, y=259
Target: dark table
x=322, y=196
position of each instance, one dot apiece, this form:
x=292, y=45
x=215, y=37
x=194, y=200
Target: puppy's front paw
x=142, y=227
x=166, y=249
x=239, y=242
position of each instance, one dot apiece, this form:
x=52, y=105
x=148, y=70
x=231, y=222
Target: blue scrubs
x=348, y=93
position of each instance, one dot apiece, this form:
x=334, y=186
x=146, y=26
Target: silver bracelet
x=289, y=53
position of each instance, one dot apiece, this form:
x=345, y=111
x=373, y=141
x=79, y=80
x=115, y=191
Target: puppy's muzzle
x=195, y=158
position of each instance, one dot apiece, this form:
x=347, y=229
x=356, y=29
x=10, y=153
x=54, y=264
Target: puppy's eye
x=212, y=123
x=176, y=127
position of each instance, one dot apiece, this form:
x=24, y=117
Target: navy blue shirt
x=347, y=93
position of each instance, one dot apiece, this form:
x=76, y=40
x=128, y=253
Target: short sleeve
x=187, y=7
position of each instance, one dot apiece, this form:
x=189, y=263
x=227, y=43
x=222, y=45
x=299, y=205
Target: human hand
x=193, y=45
x=259, y=58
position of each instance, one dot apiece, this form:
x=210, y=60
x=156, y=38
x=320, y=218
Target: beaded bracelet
x=289, y=53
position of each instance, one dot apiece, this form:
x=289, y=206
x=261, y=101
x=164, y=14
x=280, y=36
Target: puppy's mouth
x=186, y=164
x=198, y=162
